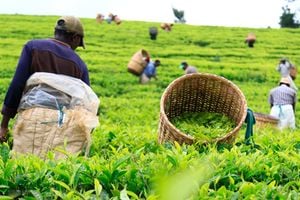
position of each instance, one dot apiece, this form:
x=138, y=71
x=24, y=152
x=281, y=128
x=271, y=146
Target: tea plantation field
x=126, y=161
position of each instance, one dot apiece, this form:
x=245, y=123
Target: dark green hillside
x=125, y=158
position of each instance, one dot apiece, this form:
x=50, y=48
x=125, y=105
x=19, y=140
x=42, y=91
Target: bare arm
x=4, y=128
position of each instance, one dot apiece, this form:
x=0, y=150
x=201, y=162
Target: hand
x=3, y=134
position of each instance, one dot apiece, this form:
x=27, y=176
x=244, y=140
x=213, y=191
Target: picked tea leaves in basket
x=204, y=126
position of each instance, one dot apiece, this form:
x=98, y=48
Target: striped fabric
x=282, y=95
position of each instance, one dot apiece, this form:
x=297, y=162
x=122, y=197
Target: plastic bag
x=56, y=91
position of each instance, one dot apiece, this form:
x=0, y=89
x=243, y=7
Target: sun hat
x=71, y=24
x=284, y=80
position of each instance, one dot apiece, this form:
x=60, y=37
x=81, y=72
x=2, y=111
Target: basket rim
x=261, y=117
x=213, y=76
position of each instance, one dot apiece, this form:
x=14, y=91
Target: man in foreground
x=55, y=55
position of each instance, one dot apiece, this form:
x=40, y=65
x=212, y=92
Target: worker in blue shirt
x=149, y=71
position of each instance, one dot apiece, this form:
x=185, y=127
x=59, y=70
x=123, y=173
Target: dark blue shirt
x=48, y=55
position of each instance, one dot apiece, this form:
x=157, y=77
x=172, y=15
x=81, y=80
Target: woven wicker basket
x=264, y=119
x=200, y=92
x=137, y=63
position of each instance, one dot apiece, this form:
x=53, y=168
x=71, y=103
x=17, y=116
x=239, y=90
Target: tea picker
x=153, y=31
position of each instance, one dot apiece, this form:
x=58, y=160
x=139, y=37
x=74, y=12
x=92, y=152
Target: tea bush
x=126, y=161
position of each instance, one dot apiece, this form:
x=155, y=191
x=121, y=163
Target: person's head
x=285, y=81
x=157, y=63
x=283, y=61
x=69, y=29
x=183, y=65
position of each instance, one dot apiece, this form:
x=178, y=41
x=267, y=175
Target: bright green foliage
x=204, y=126
x=126, y=161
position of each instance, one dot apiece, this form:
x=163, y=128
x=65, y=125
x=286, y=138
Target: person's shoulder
x=274, y=89
x=38, y=42
x=292, y=90
x=193, y=68
x=285, y=88
x=82, y=63
x=151, y=64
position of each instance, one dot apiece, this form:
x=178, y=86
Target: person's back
x=191, y=70
x=282, y=100
x=282, y=95
x=149, y=71
x=52, y=56
x=166, y=26
x=187, y=68
x=48, y=55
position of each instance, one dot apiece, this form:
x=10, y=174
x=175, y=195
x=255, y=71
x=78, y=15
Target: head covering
x=157, y=62
x=283, y=60
x=285, y=80
x=183, y=64
x=71, y=24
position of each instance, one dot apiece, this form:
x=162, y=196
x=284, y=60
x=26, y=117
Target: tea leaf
x=98, y=187
x=62, y=184
x=123, y=195
x=204, y=126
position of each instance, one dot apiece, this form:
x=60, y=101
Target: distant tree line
x=179, y=14
x=288, y=19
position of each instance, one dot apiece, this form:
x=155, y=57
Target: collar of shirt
x=60, y=42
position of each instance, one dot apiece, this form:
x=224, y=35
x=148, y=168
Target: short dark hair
x=157, y=62
x=184, y=64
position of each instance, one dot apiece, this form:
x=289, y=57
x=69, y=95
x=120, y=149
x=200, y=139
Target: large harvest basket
x=264, y=119
x=138, y=62
x=200, y=92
